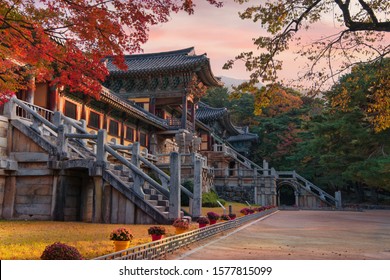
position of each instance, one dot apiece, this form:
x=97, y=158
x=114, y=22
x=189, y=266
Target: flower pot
x=213, y=222
x=156, y=237
x=121, y=245
x=202, y=225
x=180, y=230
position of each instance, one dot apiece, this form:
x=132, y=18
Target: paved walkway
x=301, y=235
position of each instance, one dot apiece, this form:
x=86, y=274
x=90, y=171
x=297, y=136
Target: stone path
x=301, y=235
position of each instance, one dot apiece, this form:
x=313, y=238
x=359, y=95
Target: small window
x=70, y=110
x=143, y=139
x=113, y=128
x=129, y=134
x=94, y=120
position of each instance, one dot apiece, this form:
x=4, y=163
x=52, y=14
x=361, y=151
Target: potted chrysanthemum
x=213, y=217
x=122, y=238
x=203, y=221
x=181, y=225
x=156, y=232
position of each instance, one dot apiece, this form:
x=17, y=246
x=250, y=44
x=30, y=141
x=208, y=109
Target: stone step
x=154, y=197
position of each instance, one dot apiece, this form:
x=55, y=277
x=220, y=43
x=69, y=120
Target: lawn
x=26, y=240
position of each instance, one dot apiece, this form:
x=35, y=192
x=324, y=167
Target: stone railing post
x=57, y=118
x=62, y=142
x=84, y=126
x=265, y=168
x=135, y=153
x=10, y=109
x=101, y=154
x=337, y=196
x=174, y=190
x=197, y=200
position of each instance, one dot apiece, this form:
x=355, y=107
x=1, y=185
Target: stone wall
x=236, y=193
x=3, y=156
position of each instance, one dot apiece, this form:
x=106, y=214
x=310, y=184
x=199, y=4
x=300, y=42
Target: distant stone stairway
x=304, y=184
x=71, y=146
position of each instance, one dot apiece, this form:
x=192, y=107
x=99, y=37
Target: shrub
x=60, y=251
x=189, y=185
x=210, y=199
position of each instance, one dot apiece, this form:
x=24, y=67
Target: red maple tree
x=65, y=41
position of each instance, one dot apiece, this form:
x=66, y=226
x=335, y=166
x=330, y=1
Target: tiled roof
x=166, y=62
x=243, y=137
x=206, y=113
x=131, y=108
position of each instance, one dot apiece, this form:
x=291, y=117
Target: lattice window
x=94, y=120
x=113, y=128
x=70, y=110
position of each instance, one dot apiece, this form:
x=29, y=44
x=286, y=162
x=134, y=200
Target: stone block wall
x=3, y=155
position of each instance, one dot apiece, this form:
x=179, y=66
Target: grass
x=26, y=240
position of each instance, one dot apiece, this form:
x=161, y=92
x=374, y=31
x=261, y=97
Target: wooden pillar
x=184, y=111
x=193, y=116
x=152, y=105
x=30, y=89
x=53, y=98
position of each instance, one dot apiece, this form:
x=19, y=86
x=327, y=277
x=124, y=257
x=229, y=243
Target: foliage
x=213, y=216
x=189, y=185
x=60, y=251
x=203, y=220
x=121, y=234
x=368, y=88
x=65, y=41
x=209, y=199
x=181, y=223
x=158, y=230
x=247, y=211
x=360, y=29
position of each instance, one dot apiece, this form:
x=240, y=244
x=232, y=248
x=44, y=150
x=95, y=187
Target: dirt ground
x=301, y=235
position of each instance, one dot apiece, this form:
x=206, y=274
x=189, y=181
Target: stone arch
x=287, y=193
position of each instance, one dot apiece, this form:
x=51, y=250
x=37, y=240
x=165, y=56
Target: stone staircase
x=81, y=151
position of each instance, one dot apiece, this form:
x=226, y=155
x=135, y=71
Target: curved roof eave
x=127, y=107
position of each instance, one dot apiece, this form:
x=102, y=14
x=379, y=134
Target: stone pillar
x=174, y=190
x=9, y=197
x=135, y=152
x=101, y=155
x=197, y=201
x=59, y=204
x=337, y=196
x=97, y=199
x=265, y=168
x=296, y=198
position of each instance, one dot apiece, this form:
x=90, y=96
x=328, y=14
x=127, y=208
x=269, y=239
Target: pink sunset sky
x=221, y=34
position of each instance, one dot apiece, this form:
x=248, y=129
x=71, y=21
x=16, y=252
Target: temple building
x=123, y=158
